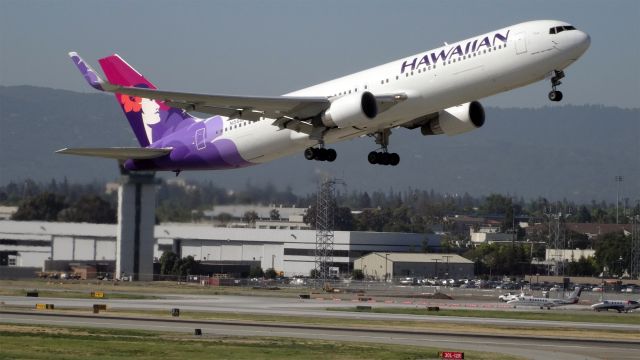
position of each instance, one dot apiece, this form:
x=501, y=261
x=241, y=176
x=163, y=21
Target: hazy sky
x=272, y=47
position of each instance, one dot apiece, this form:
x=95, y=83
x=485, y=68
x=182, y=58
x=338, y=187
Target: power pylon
x=325, y=218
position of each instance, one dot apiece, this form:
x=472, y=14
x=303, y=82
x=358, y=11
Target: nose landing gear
x=556, y=95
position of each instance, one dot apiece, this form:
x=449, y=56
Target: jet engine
x=350, y=110
x=455, y=120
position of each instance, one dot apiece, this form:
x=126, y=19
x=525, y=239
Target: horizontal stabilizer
x=119, y=153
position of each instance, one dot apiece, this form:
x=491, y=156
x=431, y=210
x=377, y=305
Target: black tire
x=309, y=153
x=394, y=159
x=555, y=95
x=321, y=154
x=373, y=158
x=384, y=159
x=331, y=155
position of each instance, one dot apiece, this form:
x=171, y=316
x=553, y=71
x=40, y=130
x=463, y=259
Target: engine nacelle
x=351, y=110
x=456, y=120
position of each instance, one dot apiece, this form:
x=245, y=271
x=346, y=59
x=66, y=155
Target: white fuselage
x=536, y=301
x=522, y=54
x=619, y=305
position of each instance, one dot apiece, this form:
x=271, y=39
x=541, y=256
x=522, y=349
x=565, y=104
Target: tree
x=583, y=215
x=44, y=207
x=250, y=217
x=612, y=251
x=167, y=262
x=224, y=218
x=89, y=209
x=314, y=273
x=256, y=272
x=270, y=273
x=274, y=214
x=357, y=274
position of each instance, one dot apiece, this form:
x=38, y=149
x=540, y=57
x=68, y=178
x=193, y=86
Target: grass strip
x=54, y=342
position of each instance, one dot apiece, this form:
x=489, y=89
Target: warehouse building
x=31, y=243
x=386, y=266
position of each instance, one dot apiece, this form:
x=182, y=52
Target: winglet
x=92, y=77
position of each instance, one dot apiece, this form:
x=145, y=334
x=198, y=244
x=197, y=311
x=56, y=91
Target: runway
x=297, y=307
x=532, y=348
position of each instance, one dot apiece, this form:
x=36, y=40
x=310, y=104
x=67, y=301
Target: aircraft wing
x=246, y=107
x=119, y=153
x=292, y=112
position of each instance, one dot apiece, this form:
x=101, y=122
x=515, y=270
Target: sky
x=274, y=47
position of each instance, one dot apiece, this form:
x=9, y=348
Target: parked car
x=509, y=296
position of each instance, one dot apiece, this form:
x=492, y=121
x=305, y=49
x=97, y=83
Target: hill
x=557, y=152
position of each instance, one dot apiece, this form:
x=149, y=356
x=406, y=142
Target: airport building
x=387, y=266
x=29, y=244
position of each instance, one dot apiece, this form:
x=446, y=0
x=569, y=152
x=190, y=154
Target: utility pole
x=447, y=256
x=436, y=261
x=618, y=180
x=634, y=269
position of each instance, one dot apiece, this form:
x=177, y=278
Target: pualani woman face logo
x=150, y=116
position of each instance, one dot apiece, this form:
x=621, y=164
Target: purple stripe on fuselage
x=195, y=147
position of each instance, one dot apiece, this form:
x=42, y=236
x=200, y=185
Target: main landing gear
x=556, y=95
x=383, y=157
x=320, y=154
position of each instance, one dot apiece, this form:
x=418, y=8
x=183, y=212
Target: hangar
x=31, y=243
x=388, y=265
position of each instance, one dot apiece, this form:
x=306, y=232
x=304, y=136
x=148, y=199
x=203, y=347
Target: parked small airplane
x=435, y=91
x=619, y=305
x=546, y=302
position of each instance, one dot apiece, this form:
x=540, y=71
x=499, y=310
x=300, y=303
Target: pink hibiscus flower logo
x=131, y=103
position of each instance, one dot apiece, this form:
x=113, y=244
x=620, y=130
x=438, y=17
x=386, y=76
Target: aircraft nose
x=584, y=40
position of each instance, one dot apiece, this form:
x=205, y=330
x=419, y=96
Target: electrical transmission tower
x=325, y=209
x=557, y=236
x=634, y=269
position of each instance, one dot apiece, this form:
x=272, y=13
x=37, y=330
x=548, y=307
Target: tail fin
x=150, y=119
x=575, y=295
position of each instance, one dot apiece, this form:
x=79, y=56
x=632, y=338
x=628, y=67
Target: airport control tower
x=136, y=221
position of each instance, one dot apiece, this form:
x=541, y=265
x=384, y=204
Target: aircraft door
x=521, y=44
x=200, y=139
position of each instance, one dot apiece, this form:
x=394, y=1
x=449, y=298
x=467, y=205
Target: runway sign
x=451, y=355
x=97, y=294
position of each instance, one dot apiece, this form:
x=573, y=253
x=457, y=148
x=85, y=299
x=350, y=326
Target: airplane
x=619, y=305
x=546, y=302
x=435, y=91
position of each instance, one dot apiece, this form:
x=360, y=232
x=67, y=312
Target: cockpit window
x=559, y=29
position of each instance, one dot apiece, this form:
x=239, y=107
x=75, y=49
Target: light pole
x=386, y=272
x=618, y=180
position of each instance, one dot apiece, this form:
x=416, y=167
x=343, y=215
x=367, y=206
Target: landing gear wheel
x=331, y=155
x=384, y=159
x=321, y=154
x=373, y=158
x=309, y=153
x=555, y=95
x=394, y=159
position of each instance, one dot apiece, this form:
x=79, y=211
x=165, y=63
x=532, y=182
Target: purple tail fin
x=150, y=120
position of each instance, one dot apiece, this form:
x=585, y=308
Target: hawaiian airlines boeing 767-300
x=435, y=91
